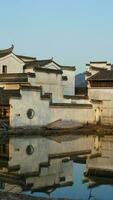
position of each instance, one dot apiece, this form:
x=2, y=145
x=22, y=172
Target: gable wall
x=44, y=113
x=51, y=83
x=69, y=85
x=29, y=100
x=14, y=65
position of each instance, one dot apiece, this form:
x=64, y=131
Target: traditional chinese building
x=39, y=92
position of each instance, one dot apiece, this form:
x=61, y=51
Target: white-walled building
x=43, y=91
x=96, y=66
x=101, y=91
x=37, y=92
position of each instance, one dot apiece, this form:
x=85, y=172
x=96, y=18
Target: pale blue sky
x=72, y=31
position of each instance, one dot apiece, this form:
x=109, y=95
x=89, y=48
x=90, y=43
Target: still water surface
x=46, y=165
x=79, y=190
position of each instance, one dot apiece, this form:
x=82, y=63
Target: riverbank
x=83, y=129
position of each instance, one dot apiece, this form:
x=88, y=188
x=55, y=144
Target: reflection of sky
x=79, y=190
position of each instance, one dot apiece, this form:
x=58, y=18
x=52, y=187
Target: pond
x=79, y=190
x=47, y=166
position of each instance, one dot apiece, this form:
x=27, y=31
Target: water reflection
x=57, y=174
x=46, y=166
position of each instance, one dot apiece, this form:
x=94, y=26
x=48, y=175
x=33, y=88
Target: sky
x=73, y=32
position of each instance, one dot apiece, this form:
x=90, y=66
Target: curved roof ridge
x=7, y=51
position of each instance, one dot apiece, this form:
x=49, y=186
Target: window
x=29, y=150
x=4, y=69
x=30, y=113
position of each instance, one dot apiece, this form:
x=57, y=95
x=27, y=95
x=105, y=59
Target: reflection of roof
x=105, y=75
x=6, y=52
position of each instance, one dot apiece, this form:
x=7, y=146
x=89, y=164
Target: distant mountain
x=80, y=80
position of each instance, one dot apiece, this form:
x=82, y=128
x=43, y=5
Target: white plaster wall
x=69, y=85
x=29, y=70
x=44, y=113
x=14, y=65
x=100, y=93
x=19, y=107
x=51, y=83
x=52, y=65
x=106, y=95
x=82, y=115
x=107, y=112
x=80, y=101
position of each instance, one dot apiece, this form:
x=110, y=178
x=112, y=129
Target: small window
x=30, y=113
x=29, y=150
x=4, y=69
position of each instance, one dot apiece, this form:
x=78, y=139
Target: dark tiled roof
x=6, y=52
x=47, y=70
x=75, y=97
x=105, y=75
x=30, y=87
x=98, y=62
x=42, y=63
x=16, y=77
x=38, y=65
x=71, y=105
x=70, y=68
x=19, y=77
x=25, y=57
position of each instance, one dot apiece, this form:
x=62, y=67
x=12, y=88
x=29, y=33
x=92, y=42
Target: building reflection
x=57, y=174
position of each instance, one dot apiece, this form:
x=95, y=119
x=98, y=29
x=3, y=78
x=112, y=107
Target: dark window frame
x=4, y=69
